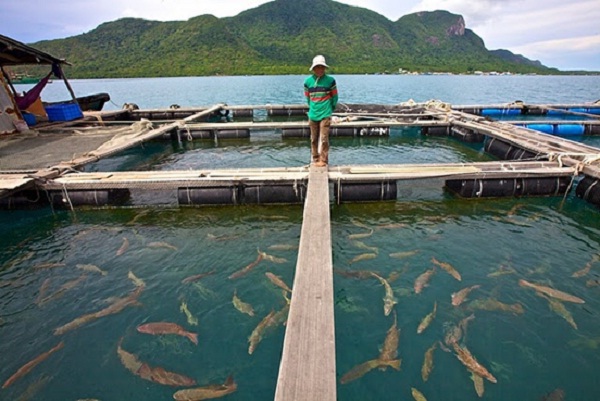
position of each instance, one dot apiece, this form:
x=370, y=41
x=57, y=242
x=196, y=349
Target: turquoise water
x=542, y=240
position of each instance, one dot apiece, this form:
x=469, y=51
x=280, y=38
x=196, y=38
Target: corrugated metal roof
x=13, y=52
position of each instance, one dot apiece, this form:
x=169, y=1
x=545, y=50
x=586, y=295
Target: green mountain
x=281, y=37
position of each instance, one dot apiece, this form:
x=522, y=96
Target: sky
x=559, y=33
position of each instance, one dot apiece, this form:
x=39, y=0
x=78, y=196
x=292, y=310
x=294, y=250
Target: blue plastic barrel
x=569, y=129
x=556, y=112
x=500, y=112
x=546, y=128
x=594, y=110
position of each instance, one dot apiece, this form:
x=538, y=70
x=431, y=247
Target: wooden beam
x=307, y=368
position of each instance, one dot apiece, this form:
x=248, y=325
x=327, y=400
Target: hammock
x=31, y=96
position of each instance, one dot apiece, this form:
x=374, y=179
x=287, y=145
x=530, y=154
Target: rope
x=66, y=197
x=438, y=104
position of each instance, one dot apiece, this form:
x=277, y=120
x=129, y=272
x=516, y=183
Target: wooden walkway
x=307, y=369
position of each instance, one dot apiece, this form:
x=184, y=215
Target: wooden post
x=64, y=77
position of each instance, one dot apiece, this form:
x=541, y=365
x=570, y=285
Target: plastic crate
x=29, y=119
x=63, y=112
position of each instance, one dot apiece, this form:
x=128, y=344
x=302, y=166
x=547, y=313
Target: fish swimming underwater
x=467, y=359
x=258, y=332
x=116, y=307
x=388, y=300
x=248, y=267
x=423, y=280
x=389, y=351
x=242, y=306
x=460, y=296
x=23, y=370
x=161, y=328
x=123, y=247
x=427, y=319
x=428, y=362
x=191, y=319
x=360, y=370
x=147, y=372
x=207, y=392
x=551, y=292
x=278, y=281
x=448, y=268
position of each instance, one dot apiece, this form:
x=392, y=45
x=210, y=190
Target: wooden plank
x=307, y=369
x=13, y=183
x=9, y=182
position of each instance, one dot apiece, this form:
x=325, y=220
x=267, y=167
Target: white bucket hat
x=318, y=60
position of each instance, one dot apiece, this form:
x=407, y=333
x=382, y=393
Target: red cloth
x=27, y=100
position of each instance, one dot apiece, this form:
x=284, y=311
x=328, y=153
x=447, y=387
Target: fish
x=491, y=304
x=34, y=388
x=551, y=292
x=222, y=237
x=116, y=307
x=360, y=274
x=555, y=395
x=91, y=268
x=43, y=290
x=361, y=235
x=448, y=268
x=427, y=319
x=388, y=300
x=460, y=296
x=467, y=359
x=191, y=319
x=592, y=283
x=241, y=305
x=405, y=254
x=63, y=288
x=207, y=392
x=478, y=384
x=280, y=317
x=135, y=280
x=360, y=370
x=162, y=376
x=278, y=281
x=588, y=266
x=560, y=309
x=154, y=374
x=282, y=247
x=423, y=280
x=502, y=270
x=363, y=256
x=417, y=395
x=360, y=224
x=48, y=265
x=389, y=351
x=257, y=334
x=272, y=258
x=246, y=269
x=129, y=360
x=161, y=328
x=161, y=244
x=455, y=332
x=196, y=277
x=28, y=367
x=393, y=276
x=428, y=362
x=123, y=247
x=362, y=245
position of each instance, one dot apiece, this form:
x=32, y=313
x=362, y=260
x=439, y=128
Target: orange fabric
x=37, y=108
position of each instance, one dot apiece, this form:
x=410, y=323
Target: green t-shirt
x=321, y=95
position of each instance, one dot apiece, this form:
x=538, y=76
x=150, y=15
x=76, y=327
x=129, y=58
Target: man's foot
x=320, y=164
